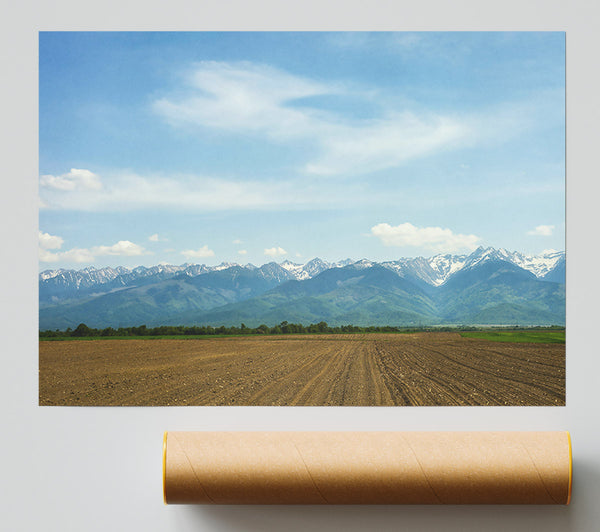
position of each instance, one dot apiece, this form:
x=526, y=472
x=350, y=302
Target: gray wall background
x=96, y=469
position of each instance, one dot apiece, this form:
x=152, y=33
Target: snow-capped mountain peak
x=541, y=264
x=363, y=263
x=482, y=254
x=314, y=267
x=63, y=284
x=297, y=270
x=444, y=266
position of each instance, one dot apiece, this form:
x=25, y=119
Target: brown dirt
x=362, y=370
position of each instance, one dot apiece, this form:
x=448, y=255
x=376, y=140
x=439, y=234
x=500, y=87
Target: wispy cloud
x=200, y=253
x=242, y=252
x=435, y=239
x=275, y=252
x=387, y=142
x=251, y=99
x=248, y=98
x=76, y=179
x=127, y=191
x=48, y=243
x=72, y=255
x=542, y=230
x=243, y=97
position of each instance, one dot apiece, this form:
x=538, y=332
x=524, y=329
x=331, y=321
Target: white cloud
x=387, y=142
x=123, y=248
x=128, y=192
x=255, y=99
x=243, y=97
x=48, y=241
x=275, y=252
x=198, y=253
x=72, y=255
x=542, y=230
x=434, y=239
x=242, y=252
x=237, y=241
x=76, y=179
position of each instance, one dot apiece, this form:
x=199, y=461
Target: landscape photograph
x=302, y=219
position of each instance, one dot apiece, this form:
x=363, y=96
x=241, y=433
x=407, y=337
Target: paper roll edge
x=164, y=467
x=570, y=467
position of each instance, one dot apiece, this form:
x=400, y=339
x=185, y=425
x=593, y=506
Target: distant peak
x=363, y=264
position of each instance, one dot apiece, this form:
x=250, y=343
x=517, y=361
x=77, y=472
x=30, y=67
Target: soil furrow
x=363, y=369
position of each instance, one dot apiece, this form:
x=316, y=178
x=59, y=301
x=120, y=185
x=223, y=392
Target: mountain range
x=488, y=286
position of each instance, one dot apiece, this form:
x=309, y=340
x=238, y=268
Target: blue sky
x=252, y=147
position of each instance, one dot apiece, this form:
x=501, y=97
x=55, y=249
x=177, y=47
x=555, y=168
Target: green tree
x=82, y=330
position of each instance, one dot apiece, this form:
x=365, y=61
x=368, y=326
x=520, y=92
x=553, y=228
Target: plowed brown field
x=360, y=370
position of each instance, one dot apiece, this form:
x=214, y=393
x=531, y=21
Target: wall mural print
x=319, y=218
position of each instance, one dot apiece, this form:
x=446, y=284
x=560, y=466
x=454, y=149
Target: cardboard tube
x=367, y=467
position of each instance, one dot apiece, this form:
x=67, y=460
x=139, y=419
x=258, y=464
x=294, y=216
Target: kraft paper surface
x=367, y=467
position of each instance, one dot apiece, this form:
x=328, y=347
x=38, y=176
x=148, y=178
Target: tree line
x=82, y=330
